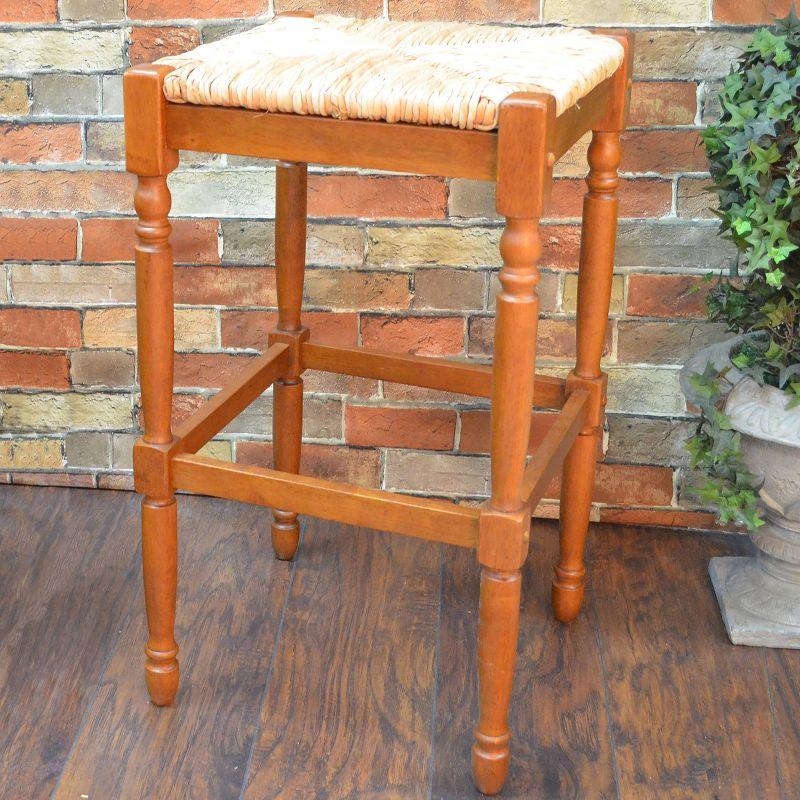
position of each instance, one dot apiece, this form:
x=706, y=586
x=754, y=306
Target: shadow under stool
x=447, y=99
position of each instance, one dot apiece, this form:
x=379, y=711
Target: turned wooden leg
x=160, y=570
x=594, y=294
x=498, y=627
x=288, y=431
x=576, y=500
x=504, y=528
x=148, y=157
x=505, y=521
x=154, y=300
x=290, y=258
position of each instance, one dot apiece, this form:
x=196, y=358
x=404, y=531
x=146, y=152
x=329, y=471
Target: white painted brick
x=78, y=51
x=218, y=193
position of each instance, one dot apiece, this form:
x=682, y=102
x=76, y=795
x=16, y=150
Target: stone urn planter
x=760, y=596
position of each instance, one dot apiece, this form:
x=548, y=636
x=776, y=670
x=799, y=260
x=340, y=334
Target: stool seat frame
x=519, y=156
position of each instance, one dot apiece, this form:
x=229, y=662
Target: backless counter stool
x=467, y=101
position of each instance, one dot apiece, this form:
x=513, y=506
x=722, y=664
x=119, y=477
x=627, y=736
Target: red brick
x=225, y=286
x=430, y=336
x=195, y=9
x=60, y=190
x=376, y=196
x=149, y=44
x=561, y=245
x=645, y=198
x=183, y=405
x=665, y=152
x=663, y=103
x=207, y=370
x=748, y=12
x=345, y=8
x=417, y=428
x=642, y=197
x=660, y=517
x=555, y=339
x=467, y=10
x=33, y=239
x=28, y=11
x=333, y=462
x=30, y=144
x=628, y=484
x=194, y=241
x=673, y=296
x=251, y=328
x=476, y=430
x=39, y=327
x=34, y=370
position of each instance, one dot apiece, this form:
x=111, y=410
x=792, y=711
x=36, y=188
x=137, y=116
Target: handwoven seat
x=427, y=73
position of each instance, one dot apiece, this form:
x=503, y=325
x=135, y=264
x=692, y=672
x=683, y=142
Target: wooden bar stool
x=448, y=99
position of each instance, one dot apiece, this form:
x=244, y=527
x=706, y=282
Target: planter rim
x=760, y=411
x=755, y=410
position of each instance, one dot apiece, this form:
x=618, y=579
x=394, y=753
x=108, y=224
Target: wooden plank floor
x=350, y=673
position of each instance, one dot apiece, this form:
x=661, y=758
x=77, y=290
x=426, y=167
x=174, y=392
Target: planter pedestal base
x=760, y=597
x=758, y=608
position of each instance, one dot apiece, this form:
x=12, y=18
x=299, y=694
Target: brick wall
x=419, y=253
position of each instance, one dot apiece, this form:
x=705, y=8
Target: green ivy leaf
x=768, y=44
x=775, y=277
x=774, y=352
x=742, y=172
x=741, y=361
x=765, y=157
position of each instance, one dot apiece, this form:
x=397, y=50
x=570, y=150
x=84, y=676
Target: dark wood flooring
x=351, y=673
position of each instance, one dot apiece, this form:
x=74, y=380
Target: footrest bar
x=226, y=405
x=554, y=447
x=435, y=520
x=431, y=373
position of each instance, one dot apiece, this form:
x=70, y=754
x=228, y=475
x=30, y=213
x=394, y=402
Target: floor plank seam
x=436, y=675
x=773, y=723
x=96, y=690
x=270, y=668
x=606, y=698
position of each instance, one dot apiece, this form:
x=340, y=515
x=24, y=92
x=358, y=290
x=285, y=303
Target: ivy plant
x=716, y=454
x=754, y=160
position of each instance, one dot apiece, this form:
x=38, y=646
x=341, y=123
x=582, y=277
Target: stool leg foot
x=161, y=682
x=285, y=534
x=566, y=595
x=160, y=572
x=498, y=628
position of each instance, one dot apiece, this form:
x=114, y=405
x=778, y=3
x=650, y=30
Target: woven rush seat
x=426, y=73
